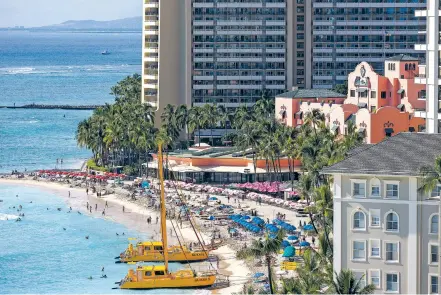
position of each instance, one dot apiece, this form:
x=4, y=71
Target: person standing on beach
x=87, y=191
x=124, y=209
x=157, y=219
x=104, y=213
x=107, y=206
x=96, y=207
x=69, y=194
x=90, y=209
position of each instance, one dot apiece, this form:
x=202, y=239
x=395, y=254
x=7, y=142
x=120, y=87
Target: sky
x=34, y=13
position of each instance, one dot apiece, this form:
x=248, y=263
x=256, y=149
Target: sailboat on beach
x=159, y=276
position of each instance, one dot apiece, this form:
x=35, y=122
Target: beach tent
x=289, y=252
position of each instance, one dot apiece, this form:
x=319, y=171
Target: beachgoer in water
x=87, y=237
x=123, y=234
x=117, y=234
x=89, y=278
x=104, y=213
x=64, y=228
x=79, y=212
x=104, y=277
x=102, y=269
x=16, y=196
x=70, y=208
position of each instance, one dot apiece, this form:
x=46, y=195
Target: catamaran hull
x=198, y=282
x=191, y=257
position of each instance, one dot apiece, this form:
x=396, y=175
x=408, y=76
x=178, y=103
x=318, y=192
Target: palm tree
x=242, y=115
x=211, y=112
x=431, y=176
x=182, y=113
x=346, y=283
x=266, y=248
x=197, y=120
x=264, y=107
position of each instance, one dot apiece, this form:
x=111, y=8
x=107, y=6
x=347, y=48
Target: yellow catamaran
x=158, y=276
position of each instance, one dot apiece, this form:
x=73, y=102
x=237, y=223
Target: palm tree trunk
x=270, y=277
x=199, y=132
x=212, y=139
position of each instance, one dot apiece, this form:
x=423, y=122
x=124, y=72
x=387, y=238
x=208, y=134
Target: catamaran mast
x=163, y=210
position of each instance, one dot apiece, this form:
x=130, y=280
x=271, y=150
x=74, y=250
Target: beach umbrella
x=246, y=217
x=304, y=244
x=308, y=227
x=272, y=236
x=289, y=252
x=212, y=217
x=293, y=238
x=212, y=199
x=273, y=229
x=258, y=274
x=285, y=244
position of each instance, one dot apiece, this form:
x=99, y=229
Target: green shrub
x=92, y=165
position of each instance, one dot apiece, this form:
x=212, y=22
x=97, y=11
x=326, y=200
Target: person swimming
x=104, y=276
x=64, y=228
x=90, y=278
x=87, y=237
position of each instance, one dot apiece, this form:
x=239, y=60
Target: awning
x=400, y=107
x=361, y=130
x=362, y=105
x=334, y=128
x=389, y=130
x=361, y=89
x=400, y=91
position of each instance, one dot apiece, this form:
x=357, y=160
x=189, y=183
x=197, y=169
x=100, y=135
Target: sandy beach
x=134, y=218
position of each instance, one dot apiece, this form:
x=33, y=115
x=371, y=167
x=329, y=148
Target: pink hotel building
x=379, y=106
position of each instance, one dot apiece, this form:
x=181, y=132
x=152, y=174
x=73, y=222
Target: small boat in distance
x=105, y=52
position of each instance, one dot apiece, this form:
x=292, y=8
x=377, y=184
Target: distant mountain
x=126, y=24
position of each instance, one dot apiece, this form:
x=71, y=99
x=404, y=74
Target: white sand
x=135, y=218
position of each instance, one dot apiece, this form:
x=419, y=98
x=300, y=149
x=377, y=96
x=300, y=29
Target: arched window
x=406, y=67
x=434, y=223
x=359, y=220
x=392, y=222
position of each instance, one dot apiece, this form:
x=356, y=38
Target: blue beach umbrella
x=212, y=199
x=272, y=236
x=246, y=217
x=304, y=244
x=308, y=227
x=212, y=217
x=258, y=275
x=293, y=238
x=285, y=243
x=273, y=229
x=289, y=252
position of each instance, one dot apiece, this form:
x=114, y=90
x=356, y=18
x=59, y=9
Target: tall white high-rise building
x=346, y=32
x=224, y=51
x=430, y=72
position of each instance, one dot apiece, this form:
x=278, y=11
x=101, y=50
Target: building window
x=373, y=94
x=392, y=254
x=434, y=224
x=359, y=250
x=352, y=93
x=359, y=221
x=392, y=190
x=359, y=189
x=433, y=254
x=436, y=192
x=392, y=222
x=375, y=279
x=406, y=67
x=375, y=188
x=375, y=251
x=374, y=217
x=392, y=282
x=360, y=276
x=383, y=94
x=433, y=284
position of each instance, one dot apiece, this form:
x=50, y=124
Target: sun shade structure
x=289, y=252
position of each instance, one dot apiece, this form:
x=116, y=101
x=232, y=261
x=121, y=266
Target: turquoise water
x=56, y=68
x=38, y=256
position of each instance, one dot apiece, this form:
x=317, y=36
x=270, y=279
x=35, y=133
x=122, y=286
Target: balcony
x=150, y=5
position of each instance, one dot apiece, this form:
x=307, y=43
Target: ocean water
x=56, y=68
x=38, y=256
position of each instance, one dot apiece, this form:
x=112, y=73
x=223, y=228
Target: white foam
x=4, y=217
